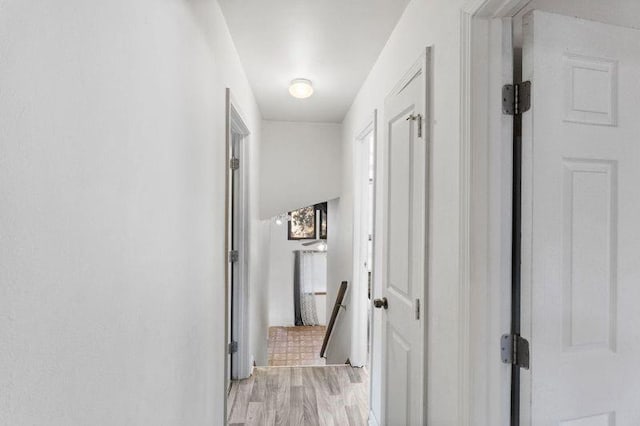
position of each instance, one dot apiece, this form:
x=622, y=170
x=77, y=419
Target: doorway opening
x=363, y=243
x=298, y=287
x=236, y=242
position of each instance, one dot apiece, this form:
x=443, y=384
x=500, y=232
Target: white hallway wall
x=111, y=219
x=301, y=165
x=281, y=260
x=258, y=283
x=424, y=23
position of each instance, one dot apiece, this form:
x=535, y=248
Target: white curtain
x=313, y=278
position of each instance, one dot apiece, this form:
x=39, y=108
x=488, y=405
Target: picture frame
x=302, y=225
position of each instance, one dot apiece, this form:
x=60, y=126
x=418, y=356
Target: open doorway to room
x=298, y=287
x=363, y=243
x=236, y=241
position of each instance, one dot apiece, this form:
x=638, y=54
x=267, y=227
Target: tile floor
x=295, y=346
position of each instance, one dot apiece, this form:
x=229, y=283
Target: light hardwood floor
x=327, y=395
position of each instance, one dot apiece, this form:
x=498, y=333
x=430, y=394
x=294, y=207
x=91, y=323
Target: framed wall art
x=302, y=225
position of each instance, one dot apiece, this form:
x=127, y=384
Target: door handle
x=381, y=303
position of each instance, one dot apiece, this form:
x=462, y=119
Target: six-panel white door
x=581, y=223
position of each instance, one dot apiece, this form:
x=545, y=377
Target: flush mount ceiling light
x=301, y=88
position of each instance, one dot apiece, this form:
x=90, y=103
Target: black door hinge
x=516, y=98
x=234, y=256
x=233, y=347
x=514, y=350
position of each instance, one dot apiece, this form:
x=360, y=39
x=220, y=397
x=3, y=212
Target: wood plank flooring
x=293, y=396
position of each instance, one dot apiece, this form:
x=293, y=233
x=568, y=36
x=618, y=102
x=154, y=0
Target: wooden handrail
x=336, y=308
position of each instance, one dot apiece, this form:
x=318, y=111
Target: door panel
x=404, y=249
x=400, y=139
x=581, y=234
x=399, y=356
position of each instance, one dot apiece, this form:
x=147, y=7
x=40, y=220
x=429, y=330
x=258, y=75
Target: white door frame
x=359, y=356
x=486, y=197
x=235, y=125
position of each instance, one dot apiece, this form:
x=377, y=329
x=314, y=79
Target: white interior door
x=581, y=222
x=404, y=242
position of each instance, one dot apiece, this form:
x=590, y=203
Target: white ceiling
x=333, y=43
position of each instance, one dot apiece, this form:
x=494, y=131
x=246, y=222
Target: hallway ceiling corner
x=333, y=43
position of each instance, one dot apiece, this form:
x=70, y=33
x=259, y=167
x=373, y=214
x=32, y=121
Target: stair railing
x=334, y=315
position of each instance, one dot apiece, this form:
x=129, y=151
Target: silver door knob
x=381, y=303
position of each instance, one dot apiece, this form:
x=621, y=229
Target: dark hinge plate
x=234, y=163
x=514, y=350
x=234, y=256
x=418, y=118
x=516, y=98
x=233, y=347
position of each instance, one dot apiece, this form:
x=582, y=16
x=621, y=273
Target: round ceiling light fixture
x=301, y=88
